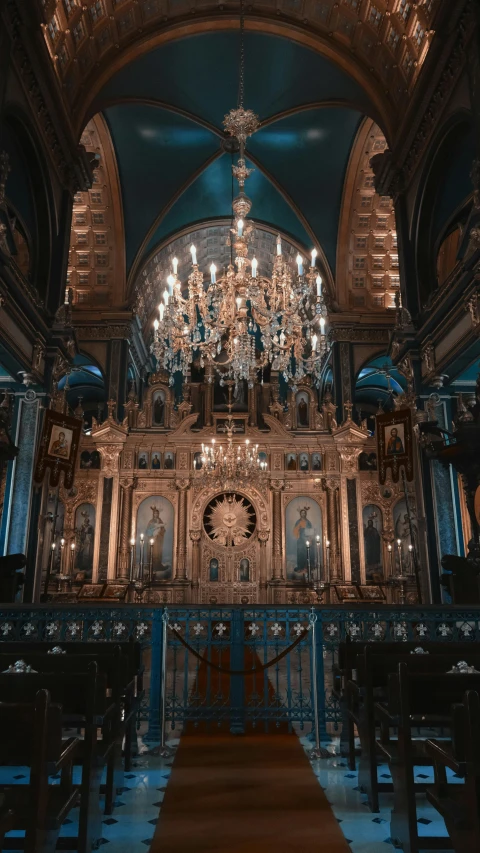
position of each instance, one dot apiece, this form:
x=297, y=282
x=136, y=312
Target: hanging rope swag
x=259, y=668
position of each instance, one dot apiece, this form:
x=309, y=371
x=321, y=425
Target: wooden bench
x=35, y=741
x=373, y=670
x=133, y=670
x=458, y=804
x=415, y=699
x=84, y=704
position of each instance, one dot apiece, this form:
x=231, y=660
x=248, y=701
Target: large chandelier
x=230, y=466
x=240, y=321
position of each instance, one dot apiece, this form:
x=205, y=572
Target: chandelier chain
x=241, y=82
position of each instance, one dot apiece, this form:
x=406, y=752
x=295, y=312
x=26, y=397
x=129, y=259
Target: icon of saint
x=395, y=443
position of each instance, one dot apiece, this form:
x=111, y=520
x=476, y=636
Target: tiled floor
x=364, y=831
x=131, y=826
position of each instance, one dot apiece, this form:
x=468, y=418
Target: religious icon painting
x=303, y=523
x=302, y=401
x=169, y=460
x=143, y=457
x=372, y=592
x=156, y=460
x=316, y=461
x=155, y=519
x=158, y=408
x=84, y=539
x=213, y=570
x=395, y=444
x=347, y=593
x=291, y=462
x=373, y=544
x=115, y=591
x=303, y=462
x=58, y=448
x=244, y=570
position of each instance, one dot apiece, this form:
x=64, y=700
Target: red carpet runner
x=255, y=793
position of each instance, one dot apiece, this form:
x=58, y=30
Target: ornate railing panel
x=238, y=638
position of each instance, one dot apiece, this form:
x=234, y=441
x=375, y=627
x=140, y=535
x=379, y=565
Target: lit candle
x=170, y=282
x=240, y=227
x=193, y=253
x=314, y=343
x=300, y=264
x=156, y=324
x=279, y=245
x=165, y=296
x=322, y=326
x=254, y=268
x=175, y=265
x=314, y=255
x=319, y=285
x=213, y=270
x=162, y=311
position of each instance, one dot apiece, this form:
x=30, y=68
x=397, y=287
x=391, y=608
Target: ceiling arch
x=382, y=44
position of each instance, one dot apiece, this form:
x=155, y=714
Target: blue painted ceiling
x=172, y=166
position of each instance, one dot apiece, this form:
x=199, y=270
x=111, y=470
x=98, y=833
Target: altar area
x=142, y=523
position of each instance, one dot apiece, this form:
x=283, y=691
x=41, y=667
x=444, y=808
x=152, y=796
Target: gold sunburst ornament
x=230, y=520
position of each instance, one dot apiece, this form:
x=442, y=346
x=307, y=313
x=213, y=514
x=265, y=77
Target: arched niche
x=155, y=519
x=372, y=517
x=158, y=405
x=303, y=411
x=303, y=523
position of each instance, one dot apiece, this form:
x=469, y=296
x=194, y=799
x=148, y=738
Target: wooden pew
x=373, y=670
x=84, y=703
x=112, y=667
x=415, y=699
x=132, y=673
x=35, y=740
x=459, y=805
x=349, y=653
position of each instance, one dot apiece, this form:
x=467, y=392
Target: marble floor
x=131, y=826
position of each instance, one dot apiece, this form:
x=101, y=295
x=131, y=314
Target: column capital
x=263, y=536
x=277, y=485
x=330, y=485
x=195, y=535
x=183, y=484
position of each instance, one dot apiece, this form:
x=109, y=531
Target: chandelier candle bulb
x=170, y=282
x=322, y=325
x=319, y=285
x=314, y=343
x=254, y=267
x=156, y=324
x=162, y=311
x=300, y=264
x=213, y=270
x=314, y=256
x=240, y=228
x=175, y=265
x=193, y=253
x=279, y=245
x=166, y=297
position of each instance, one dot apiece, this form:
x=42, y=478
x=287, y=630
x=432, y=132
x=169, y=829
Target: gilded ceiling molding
x=367, y=256
x=96, y=262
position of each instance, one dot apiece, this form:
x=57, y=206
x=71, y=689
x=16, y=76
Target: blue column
x=18, y=511
x=237, y=682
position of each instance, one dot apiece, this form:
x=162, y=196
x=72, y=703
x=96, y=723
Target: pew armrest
x=70, y=747
x=442, y=755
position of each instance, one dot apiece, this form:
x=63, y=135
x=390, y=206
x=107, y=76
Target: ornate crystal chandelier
x=230, y=466
x=240, y=321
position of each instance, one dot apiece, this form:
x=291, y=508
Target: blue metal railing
x=238, y=637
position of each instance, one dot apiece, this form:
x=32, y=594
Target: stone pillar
x=181, y=569
x=277, y=486
x=263, y=537
x=123, y=569
x=195, y=536
x=331, y=487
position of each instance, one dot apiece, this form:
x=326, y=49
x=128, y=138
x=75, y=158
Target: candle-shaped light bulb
x=72, y=546
x=166, y=296
x=410, y=548
x=142, y=537
x=254, y=267
x=170, y=282
x=162, y=311
x=307, y=543
x=314, y=256
x=318, y=538
x=151, y=542
x=62, y=541
x=389, y=547
x=213, y=270
x=314, y=343
x=53, y=546
x=193, y=253
x=240, y=227
x=235, y=341
x=399, y=542
x=238, y=300
x=132, y=541
x=322, y=325
x=327, y=543
x=319, y=285
x=299, y=260
x=279, y=245
x=156, y=324
x=175, y=265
